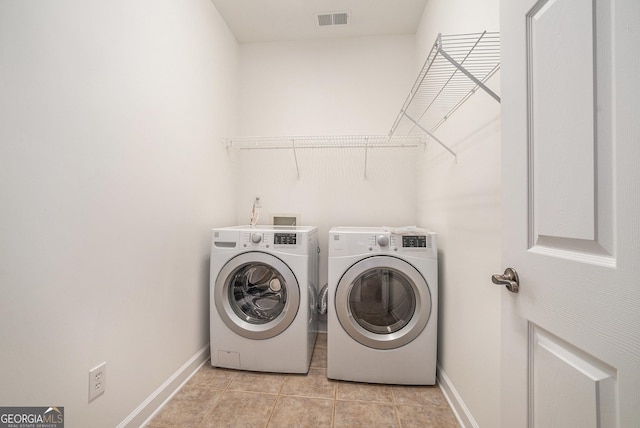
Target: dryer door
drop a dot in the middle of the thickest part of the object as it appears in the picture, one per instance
(383, 302)
(257, 295)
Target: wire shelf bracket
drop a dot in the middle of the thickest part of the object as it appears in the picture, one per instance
(297, 143)
(456, 67)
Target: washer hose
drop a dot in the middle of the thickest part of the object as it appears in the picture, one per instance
(322, 300)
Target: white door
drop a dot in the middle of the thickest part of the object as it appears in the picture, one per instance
(571, 197)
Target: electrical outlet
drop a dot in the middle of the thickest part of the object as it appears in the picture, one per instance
(97, 378)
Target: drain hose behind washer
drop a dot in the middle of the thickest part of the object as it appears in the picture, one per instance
(322, 300)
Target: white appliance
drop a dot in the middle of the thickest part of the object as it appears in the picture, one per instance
(382, 309)
(263, 289)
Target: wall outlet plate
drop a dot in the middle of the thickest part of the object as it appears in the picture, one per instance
(97, 378)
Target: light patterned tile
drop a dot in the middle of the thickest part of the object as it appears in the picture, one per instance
(419, 396)
(240, 409)
(426, 417)
(269, 383)
(301, 412)
(353, 391)
(183, 413)
(216, 397)
(197, 393)
(319, 358)
(358, 414)
(212, 378)
(321, 340)
(314, 384)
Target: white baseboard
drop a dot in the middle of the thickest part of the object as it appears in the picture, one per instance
(464, 416)
(152, 405)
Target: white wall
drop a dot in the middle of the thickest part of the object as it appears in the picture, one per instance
(461, 202)
(110, 180)
(345, 86)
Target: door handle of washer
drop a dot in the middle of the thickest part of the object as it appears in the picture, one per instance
(509, 279)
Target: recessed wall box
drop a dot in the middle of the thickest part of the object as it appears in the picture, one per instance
(284, 219)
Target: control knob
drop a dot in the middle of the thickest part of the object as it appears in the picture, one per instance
(383, 240)
(256, 237)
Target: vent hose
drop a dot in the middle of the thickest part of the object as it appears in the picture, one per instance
(255, 212)
(322, 300)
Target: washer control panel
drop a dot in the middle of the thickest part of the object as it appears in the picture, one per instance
(262, 239)
(285, 239)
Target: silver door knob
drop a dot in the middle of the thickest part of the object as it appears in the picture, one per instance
(509, 279)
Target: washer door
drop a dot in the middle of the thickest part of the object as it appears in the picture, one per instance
(383, 302)
(257, 295)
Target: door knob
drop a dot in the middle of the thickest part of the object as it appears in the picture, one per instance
(509, 279)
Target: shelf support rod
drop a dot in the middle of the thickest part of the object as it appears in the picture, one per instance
(469, 75)
(431, 135)
(366, 152)
(295, 158)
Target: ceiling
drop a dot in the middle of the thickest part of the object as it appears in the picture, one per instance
(253, 21)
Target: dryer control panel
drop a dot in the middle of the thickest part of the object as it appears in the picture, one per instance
(414, 241)
(396, 242)
(350, 241)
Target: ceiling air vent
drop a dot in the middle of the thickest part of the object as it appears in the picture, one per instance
(334, 18)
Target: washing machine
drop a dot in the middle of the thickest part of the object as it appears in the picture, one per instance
(263, 290)
(382, 309)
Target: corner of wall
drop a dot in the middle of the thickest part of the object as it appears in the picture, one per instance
(464, 416)
(146, 411)
(462, 203)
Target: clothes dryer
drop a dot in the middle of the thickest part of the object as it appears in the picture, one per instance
(263, 289)
(382, 312)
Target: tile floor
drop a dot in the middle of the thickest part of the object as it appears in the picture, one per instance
(229, 398)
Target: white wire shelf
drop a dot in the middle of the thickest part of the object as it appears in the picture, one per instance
(324, 142)
(457, 66)
(295, 143)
